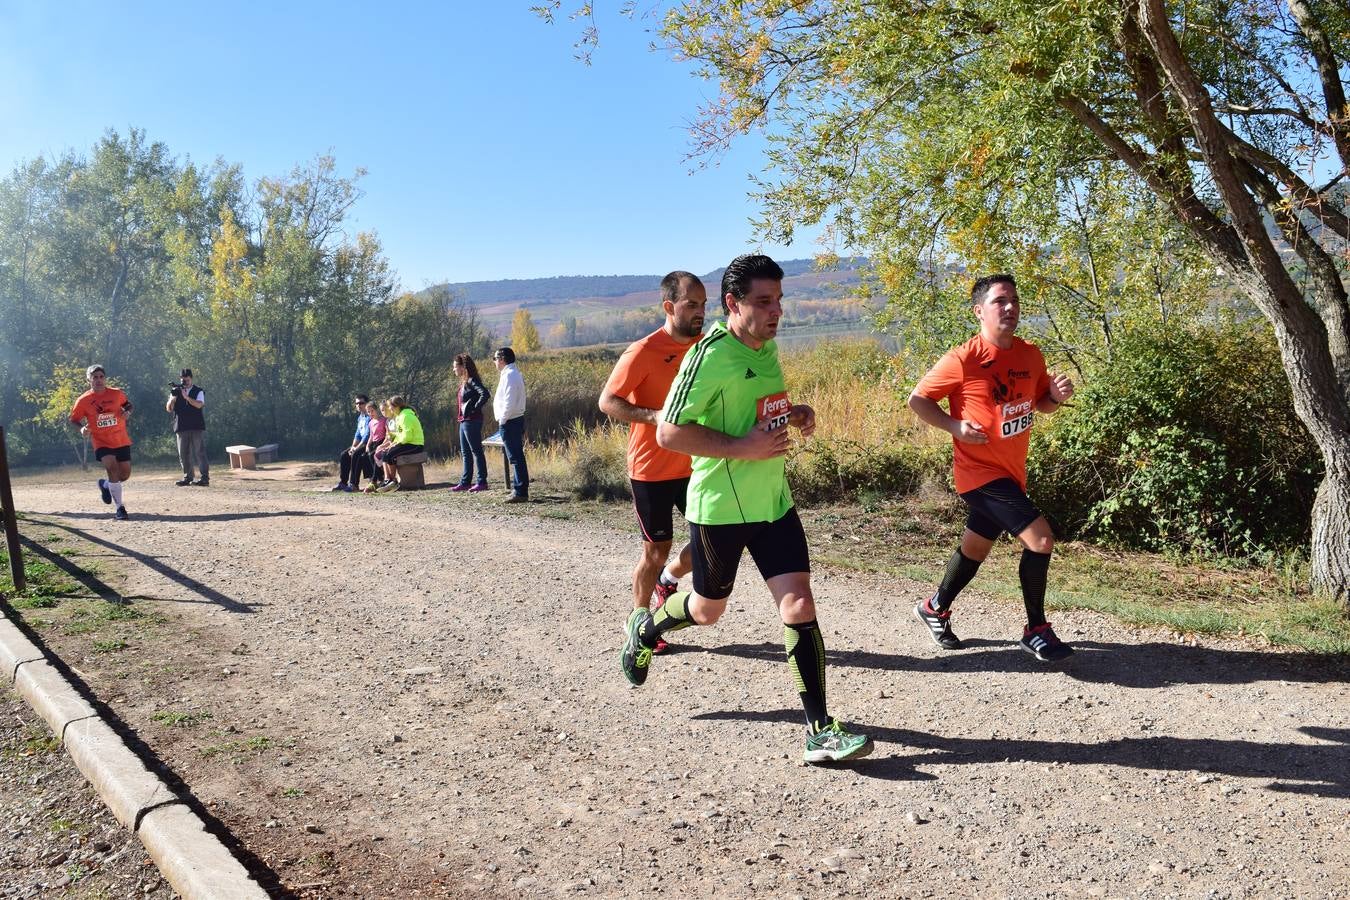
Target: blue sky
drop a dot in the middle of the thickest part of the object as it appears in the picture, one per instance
(491, 152)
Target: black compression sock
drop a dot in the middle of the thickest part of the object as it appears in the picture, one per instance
(1032, 572)
(960, 569)
(669, 616)
(806, 660)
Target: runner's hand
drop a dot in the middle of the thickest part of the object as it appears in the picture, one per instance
(1061, 388)
(804, 418)
(969, 432)
(761, 443)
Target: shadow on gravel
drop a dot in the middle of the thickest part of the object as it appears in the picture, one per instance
(261, 872)
(1149, 665)
(1318, 770)
(171, 517)
(208, 594)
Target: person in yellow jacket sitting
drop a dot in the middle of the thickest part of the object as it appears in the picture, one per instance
(405, 438)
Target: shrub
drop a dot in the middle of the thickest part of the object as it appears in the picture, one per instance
(1186, 440)
(591, 463)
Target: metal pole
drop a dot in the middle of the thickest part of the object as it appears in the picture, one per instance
(11, 524)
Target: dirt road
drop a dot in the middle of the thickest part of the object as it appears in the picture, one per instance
(418, 695)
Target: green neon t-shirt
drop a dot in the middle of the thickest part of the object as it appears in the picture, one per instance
(409, 427)
(724, 385)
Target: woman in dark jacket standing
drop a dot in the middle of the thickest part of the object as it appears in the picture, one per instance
(472, 398)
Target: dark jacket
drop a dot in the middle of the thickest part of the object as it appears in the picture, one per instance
(472, 398)
(187, 417)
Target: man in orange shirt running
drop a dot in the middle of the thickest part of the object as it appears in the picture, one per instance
(994, 384)
(635, 392)
(103, 411)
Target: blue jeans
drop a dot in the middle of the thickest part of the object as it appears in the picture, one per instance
(513, 438)
(471, 448)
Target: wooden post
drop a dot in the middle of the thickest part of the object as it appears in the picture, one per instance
(11, 524)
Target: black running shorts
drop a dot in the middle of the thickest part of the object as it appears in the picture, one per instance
(776, 547)
(655, 503)
(997, 507)
(121, 454)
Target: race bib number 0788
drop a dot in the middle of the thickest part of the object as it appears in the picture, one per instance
(774, 409)
(1017, 418)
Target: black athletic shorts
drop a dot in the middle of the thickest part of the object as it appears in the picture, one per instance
(655, 502)
(121, 454)
(997, 507)
(394, 452)
(776, 547)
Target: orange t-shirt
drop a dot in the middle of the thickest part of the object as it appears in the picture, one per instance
(107, 421)
(997, 389)
(643, 376)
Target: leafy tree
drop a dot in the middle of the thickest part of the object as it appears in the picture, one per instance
(524, 336)
(942, 135)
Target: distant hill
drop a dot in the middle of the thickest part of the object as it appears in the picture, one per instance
(565, 288)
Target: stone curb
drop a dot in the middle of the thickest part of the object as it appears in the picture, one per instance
(194, 861)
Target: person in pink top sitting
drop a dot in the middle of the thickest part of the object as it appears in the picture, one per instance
(379, 437)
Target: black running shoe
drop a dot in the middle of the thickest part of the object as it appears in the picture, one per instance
(103, 490)
(1042, 643)
(121, 514)
(939, 626)
(635, 656)
(183, 482)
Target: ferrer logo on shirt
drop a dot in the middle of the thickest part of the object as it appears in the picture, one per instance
(774, 409)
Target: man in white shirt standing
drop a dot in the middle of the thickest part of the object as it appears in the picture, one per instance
(508, 405)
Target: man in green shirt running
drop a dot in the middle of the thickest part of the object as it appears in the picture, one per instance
(729, 410)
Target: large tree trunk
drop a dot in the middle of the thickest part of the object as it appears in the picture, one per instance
(1331, 533)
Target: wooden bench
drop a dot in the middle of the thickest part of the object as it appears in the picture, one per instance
(242, 456)
(410, 471)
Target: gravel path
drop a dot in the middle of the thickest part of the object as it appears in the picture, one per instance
(418, 695)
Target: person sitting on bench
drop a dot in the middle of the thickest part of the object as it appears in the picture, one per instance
(405, 435)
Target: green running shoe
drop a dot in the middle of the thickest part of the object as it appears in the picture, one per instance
(833, 744)
(635, 656)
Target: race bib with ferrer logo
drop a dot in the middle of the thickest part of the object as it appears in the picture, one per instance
(774, 409)
(106, 420)
(1017, 418)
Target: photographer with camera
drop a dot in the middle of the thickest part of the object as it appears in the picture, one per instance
(189, 426)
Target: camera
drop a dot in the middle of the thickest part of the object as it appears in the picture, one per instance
(176, 387)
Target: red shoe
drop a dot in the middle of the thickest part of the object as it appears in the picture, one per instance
(662, 593)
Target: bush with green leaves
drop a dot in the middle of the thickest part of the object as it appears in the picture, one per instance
(1187, 441)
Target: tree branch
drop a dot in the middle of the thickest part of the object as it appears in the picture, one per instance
(1206, 227)
(1338, 118)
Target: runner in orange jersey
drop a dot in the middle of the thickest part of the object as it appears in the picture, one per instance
(102, 412)
(994, 384)
(635, 392)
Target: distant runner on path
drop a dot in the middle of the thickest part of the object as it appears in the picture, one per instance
(729, 410)
(102, 413)
(994, 383)
(635, 393)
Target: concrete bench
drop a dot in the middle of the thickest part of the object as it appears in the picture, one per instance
(242, 456)
(411, 475)
(496, 441)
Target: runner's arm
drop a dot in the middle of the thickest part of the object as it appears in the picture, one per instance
(621, 410)
(929, 412)
(1061, 389)
(699, 440)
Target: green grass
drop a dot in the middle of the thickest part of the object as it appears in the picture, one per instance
(175, 719)
(239, 751)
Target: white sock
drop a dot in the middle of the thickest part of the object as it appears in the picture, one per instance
(115, 487)
(668, 578)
